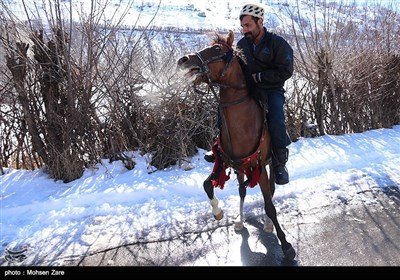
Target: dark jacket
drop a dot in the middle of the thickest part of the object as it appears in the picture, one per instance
(272, 60)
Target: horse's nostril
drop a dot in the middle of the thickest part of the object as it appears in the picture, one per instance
(182, 60)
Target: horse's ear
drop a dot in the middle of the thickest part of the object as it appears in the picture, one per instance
(229, 40)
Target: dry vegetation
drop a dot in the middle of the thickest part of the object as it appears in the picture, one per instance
(72, 93)
(347, 73)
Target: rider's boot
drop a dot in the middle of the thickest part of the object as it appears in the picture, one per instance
(279, 159)
(209, 156)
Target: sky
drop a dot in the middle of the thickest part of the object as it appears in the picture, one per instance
(111, 206)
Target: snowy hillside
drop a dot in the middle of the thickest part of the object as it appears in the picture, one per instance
(198, 14)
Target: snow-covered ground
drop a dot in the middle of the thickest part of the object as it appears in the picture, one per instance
(111, 206)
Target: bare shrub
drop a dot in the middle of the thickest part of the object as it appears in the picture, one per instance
(347, 68)
(56, 86)
(180, 119)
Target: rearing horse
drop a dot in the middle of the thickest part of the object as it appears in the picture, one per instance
(244, 143)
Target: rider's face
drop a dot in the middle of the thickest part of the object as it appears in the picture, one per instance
(250, 29)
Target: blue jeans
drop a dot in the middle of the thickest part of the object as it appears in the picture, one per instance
(276, 118)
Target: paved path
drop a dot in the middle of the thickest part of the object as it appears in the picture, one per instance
(360, 232)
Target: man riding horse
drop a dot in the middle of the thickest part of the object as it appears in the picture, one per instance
(244, 143)
(270, 60)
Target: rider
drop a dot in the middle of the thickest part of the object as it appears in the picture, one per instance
(270, 60)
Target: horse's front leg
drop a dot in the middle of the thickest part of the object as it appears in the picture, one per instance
(242, 194)
(209, 188)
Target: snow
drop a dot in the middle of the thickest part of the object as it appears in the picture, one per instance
(111, 206)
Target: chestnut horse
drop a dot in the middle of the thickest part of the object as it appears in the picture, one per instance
(244, 143)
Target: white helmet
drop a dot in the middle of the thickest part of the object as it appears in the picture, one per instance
(252, 10)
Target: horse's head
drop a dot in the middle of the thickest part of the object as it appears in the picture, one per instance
(211, 63)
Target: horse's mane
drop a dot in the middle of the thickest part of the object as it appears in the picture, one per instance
(218, 38)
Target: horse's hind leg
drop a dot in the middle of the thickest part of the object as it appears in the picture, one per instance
(270, 210)
(271, 179)
(209, 188)
(242, 194)
(268, 224)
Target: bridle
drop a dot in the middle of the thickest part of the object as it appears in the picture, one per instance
(227, 57)
(205, 70)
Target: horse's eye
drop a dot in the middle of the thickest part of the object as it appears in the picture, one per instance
(217, 48)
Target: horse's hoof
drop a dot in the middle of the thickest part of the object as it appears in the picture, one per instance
(238, 226)
(268, 225)
(219, 215)
(289, 252)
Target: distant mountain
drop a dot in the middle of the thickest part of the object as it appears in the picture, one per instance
(196, 15)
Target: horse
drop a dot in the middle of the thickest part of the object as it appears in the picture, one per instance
(244, 142)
